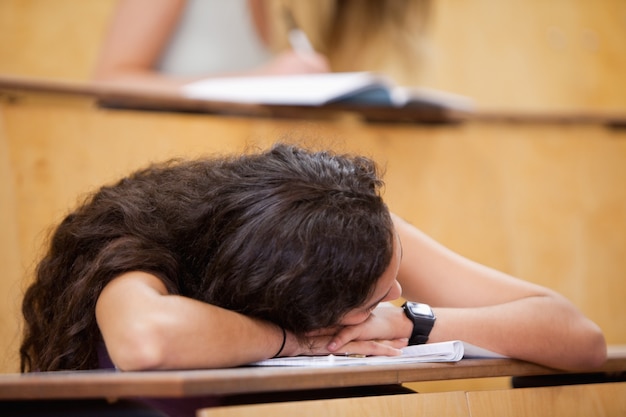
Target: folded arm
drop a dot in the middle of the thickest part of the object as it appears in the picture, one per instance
(146, 328)
(484, 307)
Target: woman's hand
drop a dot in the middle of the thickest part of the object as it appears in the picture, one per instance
(293, 62)
(318, 345)
(383, 333)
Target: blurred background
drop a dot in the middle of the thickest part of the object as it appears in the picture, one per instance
(542, 200)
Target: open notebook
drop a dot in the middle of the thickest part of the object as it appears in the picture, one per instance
(452, 351)
(345, 88)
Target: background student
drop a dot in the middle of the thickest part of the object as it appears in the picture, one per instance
(164, 43)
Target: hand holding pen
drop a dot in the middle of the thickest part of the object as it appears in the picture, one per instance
(301, 44)
(301, 58)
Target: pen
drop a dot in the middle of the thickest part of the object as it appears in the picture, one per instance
(297, 38)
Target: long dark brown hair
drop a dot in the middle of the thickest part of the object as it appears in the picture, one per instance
(291, 236)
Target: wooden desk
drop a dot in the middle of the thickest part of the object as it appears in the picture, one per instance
(112, 391)
(108, 384)
(141, 99)
(112, 96)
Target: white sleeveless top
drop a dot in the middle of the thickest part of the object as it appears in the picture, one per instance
(213, 36)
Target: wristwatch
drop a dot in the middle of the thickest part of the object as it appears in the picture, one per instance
(423, 320)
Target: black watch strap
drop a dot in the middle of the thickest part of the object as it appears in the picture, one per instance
(423, 320)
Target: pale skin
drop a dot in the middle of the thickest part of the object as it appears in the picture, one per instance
(472, 302)
(140, 29)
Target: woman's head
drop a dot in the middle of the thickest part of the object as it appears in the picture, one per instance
(296, 237)
(304, 237)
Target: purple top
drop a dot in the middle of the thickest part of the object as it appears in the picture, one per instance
(172, 407)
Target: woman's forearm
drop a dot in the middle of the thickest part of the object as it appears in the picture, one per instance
(546, 330)
(144, 328)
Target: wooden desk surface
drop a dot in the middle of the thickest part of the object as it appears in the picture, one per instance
(138, 98)
(125, 97)
(110, 384)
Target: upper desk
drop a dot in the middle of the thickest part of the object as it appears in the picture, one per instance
(249, 380)
(111, 96)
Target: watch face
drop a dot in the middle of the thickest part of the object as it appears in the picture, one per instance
(421, 309)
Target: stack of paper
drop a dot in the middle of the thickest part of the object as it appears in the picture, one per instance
(452, 351)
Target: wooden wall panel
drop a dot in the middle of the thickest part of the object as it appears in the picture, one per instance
(450, 404)
(600, 400)
(12, 276)
(541, 202)
(56, 39)
(530, 55)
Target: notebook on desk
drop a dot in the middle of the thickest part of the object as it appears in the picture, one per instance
(351, 89)
(451, 351)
